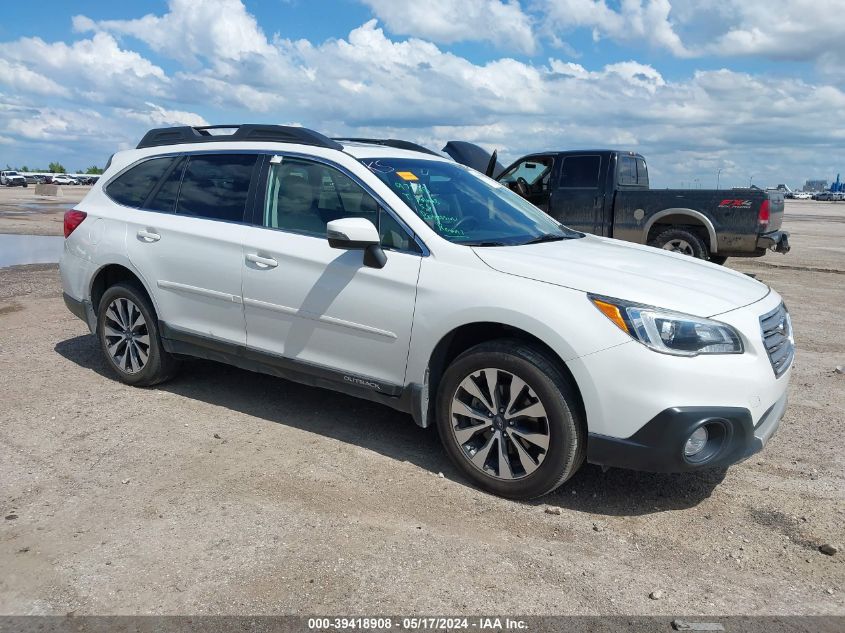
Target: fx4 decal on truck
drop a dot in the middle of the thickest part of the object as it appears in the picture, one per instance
(736, 204)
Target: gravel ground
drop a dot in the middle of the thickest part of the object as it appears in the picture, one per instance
(228, 492)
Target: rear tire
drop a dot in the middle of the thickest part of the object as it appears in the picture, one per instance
(532, 418)
(680, 241)
(718, 259)
(127, 329)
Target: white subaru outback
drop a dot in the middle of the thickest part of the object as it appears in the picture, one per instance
(380, 269)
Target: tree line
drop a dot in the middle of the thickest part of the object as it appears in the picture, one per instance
(57, 168)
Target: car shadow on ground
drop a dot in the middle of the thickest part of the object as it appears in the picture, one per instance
(393, 434)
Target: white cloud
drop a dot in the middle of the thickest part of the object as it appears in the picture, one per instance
(93, 69)
(155, 115)
(802, 30)
(370, 84)
(192, 29)
(447, 21)
(798, 30)
(635, 21)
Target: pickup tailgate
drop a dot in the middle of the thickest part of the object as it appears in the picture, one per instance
(776, 205)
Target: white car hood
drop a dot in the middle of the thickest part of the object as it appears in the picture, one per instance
(629, 271)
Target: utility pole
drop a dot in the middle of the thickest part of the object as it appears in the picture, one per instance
(718, 175)
(750, 180)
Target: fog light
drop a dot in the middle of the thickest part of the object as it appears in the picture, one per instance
(696, 442)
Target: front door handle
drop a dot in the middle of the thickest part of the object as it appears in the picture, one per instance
(148, 236)
(267, 262)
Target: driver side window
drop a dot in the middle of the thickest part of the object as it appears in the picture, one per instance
(304, 196)
(535, 171)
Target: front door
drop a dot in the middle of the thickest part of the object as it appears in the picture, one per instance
(531, 178)
(320, 306)
(578, 200)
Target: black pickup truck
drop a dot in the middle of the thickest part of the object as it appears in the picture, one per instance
(606, 192)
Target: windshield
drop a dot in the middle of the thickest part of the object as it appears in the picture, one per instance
(464, 206)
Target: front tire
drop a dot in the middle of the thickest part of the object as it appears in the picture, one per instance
(718, 259)
(680, 241)
(510, 420)
(127, 329)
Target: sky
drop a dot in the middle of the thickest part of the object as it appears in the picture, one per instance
(751, 90)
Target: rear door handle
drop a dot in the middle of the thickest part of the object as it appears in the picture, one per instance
(268, 262)
(148, 236)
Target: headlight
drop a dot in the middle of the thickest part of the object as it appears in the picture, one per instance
(670, 332)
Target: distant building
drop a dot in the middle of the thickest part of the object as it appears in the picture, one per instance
(815, 185)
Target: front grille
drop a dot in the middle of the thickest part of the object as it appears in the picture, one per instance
(777, 338)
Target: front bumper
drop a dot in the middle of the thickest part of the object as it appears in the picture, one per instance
(777, 241)
(659, 445)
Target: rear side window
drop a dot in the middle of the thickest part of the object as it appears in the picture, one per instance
(580, 171)
(642, 173)
(132, 187)
(215, 186)
(627, 170)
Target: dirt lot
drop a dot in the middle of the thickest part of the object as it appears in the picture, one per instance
(231, 492)
(24, 213)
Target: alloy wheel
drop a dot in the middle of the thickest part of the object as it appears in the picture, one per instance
(500, 424)
(126, 335)
(679, 246)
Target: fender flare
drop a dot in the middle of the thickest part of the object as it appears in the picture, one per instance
(691, 213)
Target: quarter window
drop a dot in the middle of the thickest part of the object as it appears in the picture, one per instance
(133, 186)
(164, 199)
(215, 186)
(580, 172)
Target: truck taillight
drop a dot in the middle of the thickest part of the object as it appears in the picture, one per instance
(763, 215)
(73, 219)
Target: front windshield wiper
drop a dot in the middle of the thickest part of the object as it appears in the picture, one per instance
(484, 244)
(548, 237)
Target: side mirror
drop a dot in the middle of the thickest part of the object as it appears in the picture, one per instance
(357, 234)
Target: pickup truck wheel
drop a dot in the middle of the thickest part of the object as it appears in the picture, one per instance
(680, 241)
(127, 329)
(509, 419)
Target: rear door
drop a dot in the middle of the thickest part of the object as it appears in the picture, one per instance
(187, 242)
(578, 199)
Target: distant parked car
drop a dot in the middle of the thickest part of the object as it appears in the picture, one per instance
(802, 195)
(63, 179)
(12, 179)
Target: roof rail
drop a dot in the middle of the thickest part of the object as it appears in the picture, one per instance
(390, 142)
(247, 132)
